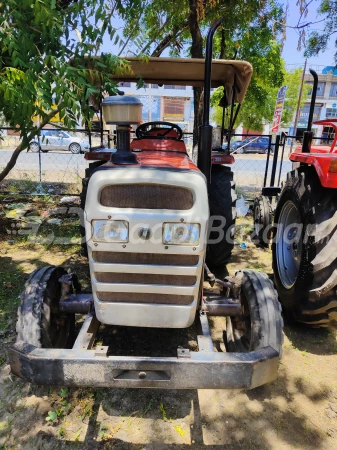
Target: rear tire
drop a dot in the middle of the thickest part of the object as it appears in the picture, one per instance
(34, 147)
(222, 202)
(75, 148)
(307, 282)
(40, 323)
(261, 323)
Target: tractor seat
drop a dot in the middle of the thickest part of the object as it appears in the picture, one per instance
(159, 144)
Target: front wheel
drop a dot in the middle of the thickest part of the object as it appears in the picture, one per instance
(34, 147)
(263, 219)
(40, 322)
(260, 324)
(75, 148)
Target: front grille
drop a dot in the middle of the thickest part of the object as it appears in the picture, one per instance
(144, 278)
(155, 259)
(147, 196)
(134, 297)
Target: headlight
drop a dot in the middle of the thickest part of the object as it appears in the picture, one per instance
(110, 231)
(181, 233)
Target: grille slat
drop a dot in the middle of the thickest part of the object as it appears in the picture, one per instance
(145, 278)
(147, 196)
(134, 297)
(155, 259)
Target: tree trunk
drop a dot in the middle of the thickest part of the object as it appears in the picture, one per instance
(24, 144)
(196, 52)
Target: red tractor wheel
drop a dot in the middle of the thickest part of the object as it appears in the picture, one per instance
(305, 248)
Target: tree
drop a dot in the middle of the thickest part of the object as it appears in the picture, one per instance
(259, 48)
(319, 40)
(45, 69)
(181, 26)
(293, 81)
(258, 107)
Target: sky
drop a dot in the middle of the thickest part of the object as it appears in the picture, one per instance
(290, 53)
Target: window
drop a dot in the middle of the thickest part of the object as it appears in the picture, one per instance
(333, 90)
(174, 109)
(331, 113)
(125, 84)
(320, 89)
(304, 115)
(172, 86)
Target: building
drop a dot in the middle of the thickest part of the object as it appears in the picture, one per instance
(326, 101)
(164, 103)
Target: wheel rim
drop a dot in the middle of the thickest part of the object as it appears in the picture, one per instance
(289, 244)
(241, 327)
(34, 147)
(75, 148)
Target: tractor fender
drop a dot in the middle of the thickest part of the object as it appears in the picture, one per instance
(322, 164)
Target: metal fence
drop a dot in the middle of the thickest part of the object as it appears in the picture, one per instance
(52, 170)
(59, 172)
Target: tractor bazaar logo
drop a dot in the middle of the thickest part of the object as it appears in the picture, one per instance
(56, 231)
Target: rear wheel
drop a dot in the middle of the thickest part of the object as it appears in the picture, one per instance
(34, 147)
(261, 323)
(263, 219)
(240, 151)
(75, 148)
(305, 248)
(222, 203)
(40, 322)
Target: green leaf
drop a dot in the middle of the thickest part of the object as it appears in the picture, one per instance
(52, 415)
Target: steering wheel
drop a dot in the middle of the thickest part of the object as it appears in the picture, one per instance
(143, 132)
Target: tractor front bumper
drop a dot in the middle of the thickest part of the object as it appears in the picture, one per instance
(189, 370)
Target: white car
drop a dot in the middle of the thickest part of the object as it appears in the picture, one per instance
(59, 140)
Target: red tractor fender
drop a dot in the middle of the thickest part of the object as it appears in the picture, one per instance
(325, 165)
(322, 157)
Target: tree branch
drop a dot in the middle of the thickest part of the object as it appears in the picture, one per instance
(24, 144)
(166, 41)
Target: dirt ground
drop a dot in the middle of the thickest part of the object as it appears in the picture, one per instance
(297, 411)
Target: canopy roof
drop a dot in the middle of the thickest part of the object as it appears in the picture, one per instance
(190, 72)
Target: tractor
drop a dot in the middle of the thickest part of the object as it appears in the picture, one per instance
(149, 231)
(304, 244)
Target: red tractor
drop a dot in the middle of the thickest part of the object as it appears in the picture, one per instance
(305, 230)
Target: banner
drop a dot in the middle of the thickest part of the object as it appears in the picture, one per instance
(278, 109)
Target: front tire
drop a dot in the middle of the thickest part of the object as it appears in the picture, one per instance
(263, 219)
(34, 147)
(305, 248)
(222, 202)
(261, 323)
(40, 323)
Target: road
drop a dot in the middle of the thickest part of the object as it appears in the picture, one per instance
(61, 161)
